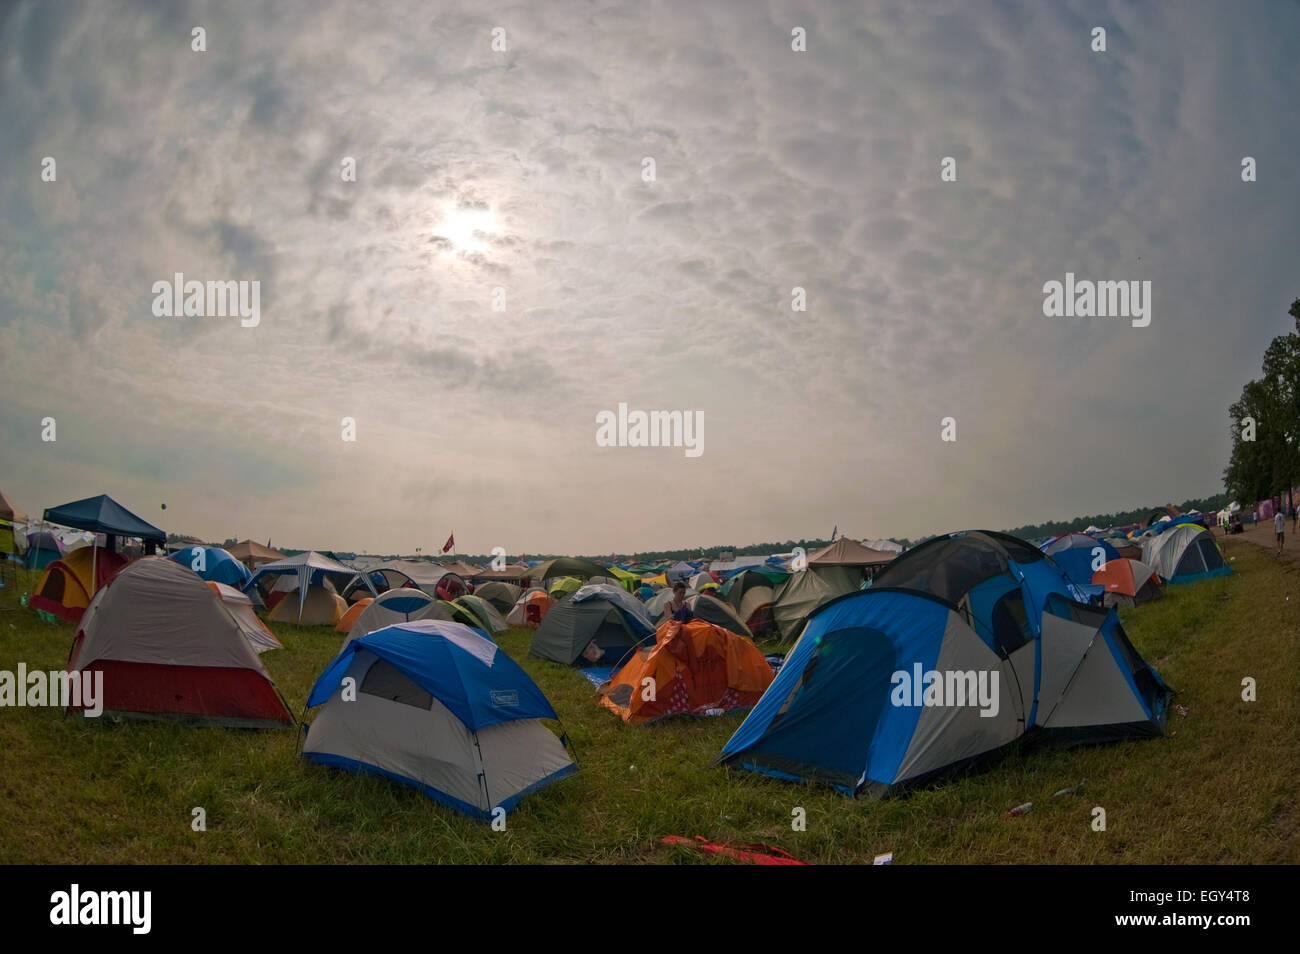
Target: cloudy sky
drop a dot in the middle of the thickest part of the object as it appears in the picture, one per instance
(522, 170)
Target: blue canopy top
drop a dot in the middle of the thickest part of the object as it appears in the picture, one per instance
(464, 671)
(103, 514)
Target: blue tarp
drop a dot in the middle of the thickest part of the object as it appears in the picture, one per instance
(103, 514)
(464, 671)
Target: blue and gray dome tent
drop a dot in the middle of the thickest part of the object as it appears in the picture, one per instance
(215, 564)
(436, 706)
(962, 646)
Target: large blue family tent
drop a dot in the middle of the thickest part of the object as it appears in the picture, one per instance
(961, 647)
(1079, 556)
(434, 705)
(214, 564)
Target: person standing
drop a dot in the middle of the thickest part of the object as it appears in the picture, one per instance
(1279, 525)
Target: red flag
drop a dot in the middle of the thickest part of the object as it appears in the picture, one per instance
(451, 542)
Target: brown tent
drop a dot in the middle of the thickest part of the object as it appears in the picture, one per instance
(251, 554)
(461, 568)
(10, 512)
(846, 552)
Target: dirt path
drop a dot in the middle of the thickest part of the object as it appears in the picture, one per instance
(1261, 535)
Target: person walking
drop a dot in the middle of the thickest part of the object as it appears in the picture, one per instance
(1279, 525)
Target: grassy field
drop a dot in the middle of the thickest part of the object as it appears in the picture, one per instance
(1219, 789)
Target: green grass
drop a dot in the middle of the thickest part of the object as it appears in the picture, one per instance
(1219, 789)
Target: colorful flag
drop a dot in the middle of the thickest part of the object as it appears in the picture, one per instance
(451, 542)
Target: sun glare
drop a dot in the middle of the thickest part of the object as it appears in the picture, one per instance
(467, 229)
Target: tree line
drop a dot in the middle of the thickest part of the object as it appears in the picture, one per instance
(1265, 459)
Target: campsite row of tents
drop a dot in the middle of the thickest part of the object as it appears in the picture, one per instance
(899, 670)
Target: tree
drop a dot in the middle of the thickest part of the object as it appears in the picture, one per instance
(1265, 458)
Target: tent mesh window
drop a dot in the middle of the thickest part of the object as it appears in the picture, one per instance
(1210, 553)
(388, 682)
(1011, 628)
(1192, 561)
(952, 566)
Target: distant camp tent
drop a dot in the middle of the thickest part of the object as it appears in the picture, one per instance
(429, 577)
(1079, 555)
(310, 571)
(1127, 582)
(491, 620)
(679, 571)
(566, 566)
(719, 612)
(441, 709)
(401, 605)
(253, 554)
(1185, 554)
(795, 599)
(846, 552)
(43, 548)
(697, 668)
(168, 646)
(564, 586)
(66, 586)
(349, 619)
(501, 595)
(9, 516)
(854, 708)
(213, 563)
(597, 629)
(530, 609)
(318, 605)
(259, 638)
(466, 571)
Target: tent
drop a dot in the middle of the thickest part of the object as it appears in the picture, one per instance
(1185, 554)
(846, 552)
(466, 571)
(213, 563)
(597, 629)
(66, 587)
(402, 605)
(240, 607)
(167, 645)
(253, 555)
(566, 566)
(10, 515)
(491, 620)
(441, 709)
(795, 599)
(310, 571)
(717, 611)
(679, 571)
(695, 668)
(501, 595)
(564, 586)
(530, 609)
(43, 548)
(892, 686)
(1079, 555)
(319, 605)
(105, 515)
(435, 580)
(1127, 582)
(349, 619)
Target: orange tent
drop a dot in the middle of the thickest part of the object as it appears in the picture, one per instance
(694, 668)
(1127, 582)
(350, 617)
